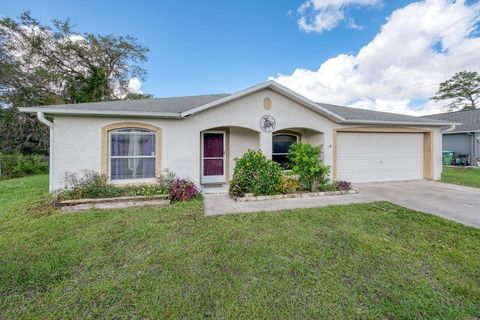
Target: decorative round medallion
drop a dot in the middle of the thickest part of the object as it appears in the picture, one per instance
(267, 123)
(267, 103)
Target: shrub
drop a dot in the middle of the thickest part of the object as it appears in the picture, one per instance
(142, 190)
(254, 173)
(18, 165)
(236, 190)
(165, 180)
(183, 189)
(307, 164)
(90, 184)
(342, 185)
(289, 184)
(87, 184)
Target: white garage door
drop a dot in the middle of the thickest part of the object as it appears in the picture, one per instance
(372, 157)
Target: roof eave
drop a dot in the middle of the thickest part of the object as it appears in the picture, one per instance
(404, 123)
(463, 131)
(103, 113)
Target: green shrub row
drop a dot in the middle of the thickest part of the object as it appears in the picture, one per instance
(256, 174)
(19, 165)
(91, 185)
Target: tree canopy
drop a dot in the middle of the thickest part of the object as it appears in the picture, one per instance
(463, 88)
(44, 65)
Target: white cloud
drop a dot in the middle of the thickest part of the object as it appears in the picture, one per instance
(351, 24)
(325, 15)
(419, 46)
(135, 85)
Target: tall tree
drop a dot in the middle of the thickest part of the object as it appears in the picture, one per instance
(43, 65)
(463, 87)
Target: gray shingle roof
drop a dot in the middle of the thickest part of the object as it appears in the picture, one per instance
(352, 114)
(178, 107)
(164, 105)
(470, 120)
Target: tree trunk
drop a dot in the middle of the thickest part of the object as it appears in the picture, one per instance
(314, 185)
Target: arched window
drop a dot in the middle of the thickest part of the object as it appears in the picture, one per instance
(281, 144)
(132, 154)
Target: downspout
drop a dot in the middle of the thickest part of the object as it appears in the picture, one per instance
(49, 124)
(472, 147)
(449, 128)
(475, 147)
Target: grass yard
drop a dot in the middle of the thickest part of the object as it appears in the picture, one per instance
(360, 261)
(464, 176)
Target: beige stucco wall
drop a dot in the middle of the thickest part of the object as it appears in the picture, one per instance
(240, 141)
(77, 140)
(437, 159)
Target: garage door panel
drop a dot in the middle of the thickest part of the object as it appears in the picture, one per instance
(378, 172)
(370, 157)
(372, 167)
(378, 159)
(387, 146)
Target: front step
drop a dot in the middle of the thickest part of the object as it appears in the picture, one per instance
(215, 188)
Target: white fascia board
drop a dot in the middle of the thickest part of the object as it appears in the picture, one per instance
(273, 86)
(303, 100)
(223, 100)
(468, 131)
(403, 123)
(59, 111)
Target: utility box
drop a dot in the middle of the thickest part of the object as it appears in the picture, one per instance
(447, 158)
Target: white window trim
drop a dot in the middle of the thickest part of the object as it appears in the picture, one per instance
(132, 157)
(133, 132)
(110, 157)
(136, 181)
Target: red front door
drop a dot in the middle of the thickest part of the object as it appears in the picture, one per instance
(213, 157)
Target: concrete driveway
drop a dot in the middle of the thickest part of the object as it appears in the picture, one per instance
(458, 203)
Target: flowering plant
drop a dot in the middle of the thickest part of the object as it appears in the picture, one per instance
(343, 185)
(182, 190)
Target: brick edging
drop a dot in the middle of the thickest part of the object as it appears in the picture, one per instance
(250, 197)
(116, 199)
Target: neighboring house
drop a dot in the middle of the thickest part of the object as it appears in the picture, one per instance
(199, 137)
(465, 138)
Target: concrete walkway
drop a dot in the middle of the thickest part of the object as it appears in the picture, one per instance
(458, 203)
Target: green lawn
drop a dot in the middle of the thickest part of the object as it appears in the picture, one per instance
(361, 261)
(464, 176)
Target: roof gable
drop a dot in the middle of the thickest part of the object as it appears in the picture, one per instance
(274, 86)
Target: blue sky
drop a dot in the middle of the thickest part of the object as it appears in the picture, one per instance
(211, 46)
(199, 47)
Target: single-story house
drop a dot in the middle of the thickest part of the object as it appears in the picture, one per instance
(465, 138)
(132, 141)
